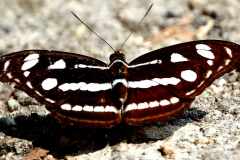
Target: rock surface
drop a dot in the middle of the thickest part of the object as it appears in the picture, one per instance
(210, 130)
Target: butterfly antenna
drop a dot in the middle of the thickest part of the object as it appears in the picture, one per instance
(90, 29)
(139, 23)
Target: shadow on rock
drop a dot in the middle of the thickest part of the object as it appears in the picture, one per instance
(45, 132)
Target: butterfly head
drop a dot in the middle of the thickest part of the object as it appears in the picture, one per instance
(117, 55)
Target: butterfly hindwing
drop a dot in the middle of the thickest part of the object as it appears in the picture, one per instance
(165, 81)
(71, 85)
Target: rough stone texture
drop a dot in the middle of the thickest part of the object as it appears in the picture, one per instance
(210, 130)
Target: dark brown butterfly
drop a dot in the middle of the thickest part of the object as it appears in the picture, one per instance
(84, 91)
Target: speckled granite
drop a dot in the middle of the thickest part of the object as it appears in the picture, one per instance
(210, 130)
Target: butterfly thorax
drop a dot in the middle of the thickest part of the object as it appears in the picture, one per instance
(119, 71)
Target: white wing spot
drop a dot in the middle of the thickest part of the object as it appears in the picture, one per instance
(110, 109)
(132, 106)
(32, 57)
(49, 83)
(29, 64)
(203, 47)
(29, 84)
(38, 93)
(208, 74)
(154, 104)
(88, 66)
(200, 84)
(83, 86)
(142, 84)
(220, 68)
(16, 80)
(88, 108)
(153, 82)
(26, 73)
(77, 108)
(167, 81)
(98, 109)
(6, 65)
(190, 92)
(66, 107)
(189, 75)
(143, 105)
(175, 57)
(174, 100)
(229, 51)
(206, 54)
(210, 62)
(80, 66)
(164, 102)
(30, 61)
(60, 64)
(9, 75)
(157, 61)
(227, 61)
(69, 86)
(92, 87)
(49, 100)
(204, 51)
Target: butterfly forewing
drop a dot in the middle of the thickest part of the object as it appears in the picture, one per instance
(72, 86)
(166, 81)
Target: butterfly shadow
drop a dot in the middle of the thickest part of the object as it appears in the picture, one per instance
(46, 133)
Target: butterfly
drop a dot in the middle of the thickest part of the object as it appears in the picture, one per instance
(83, 91)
